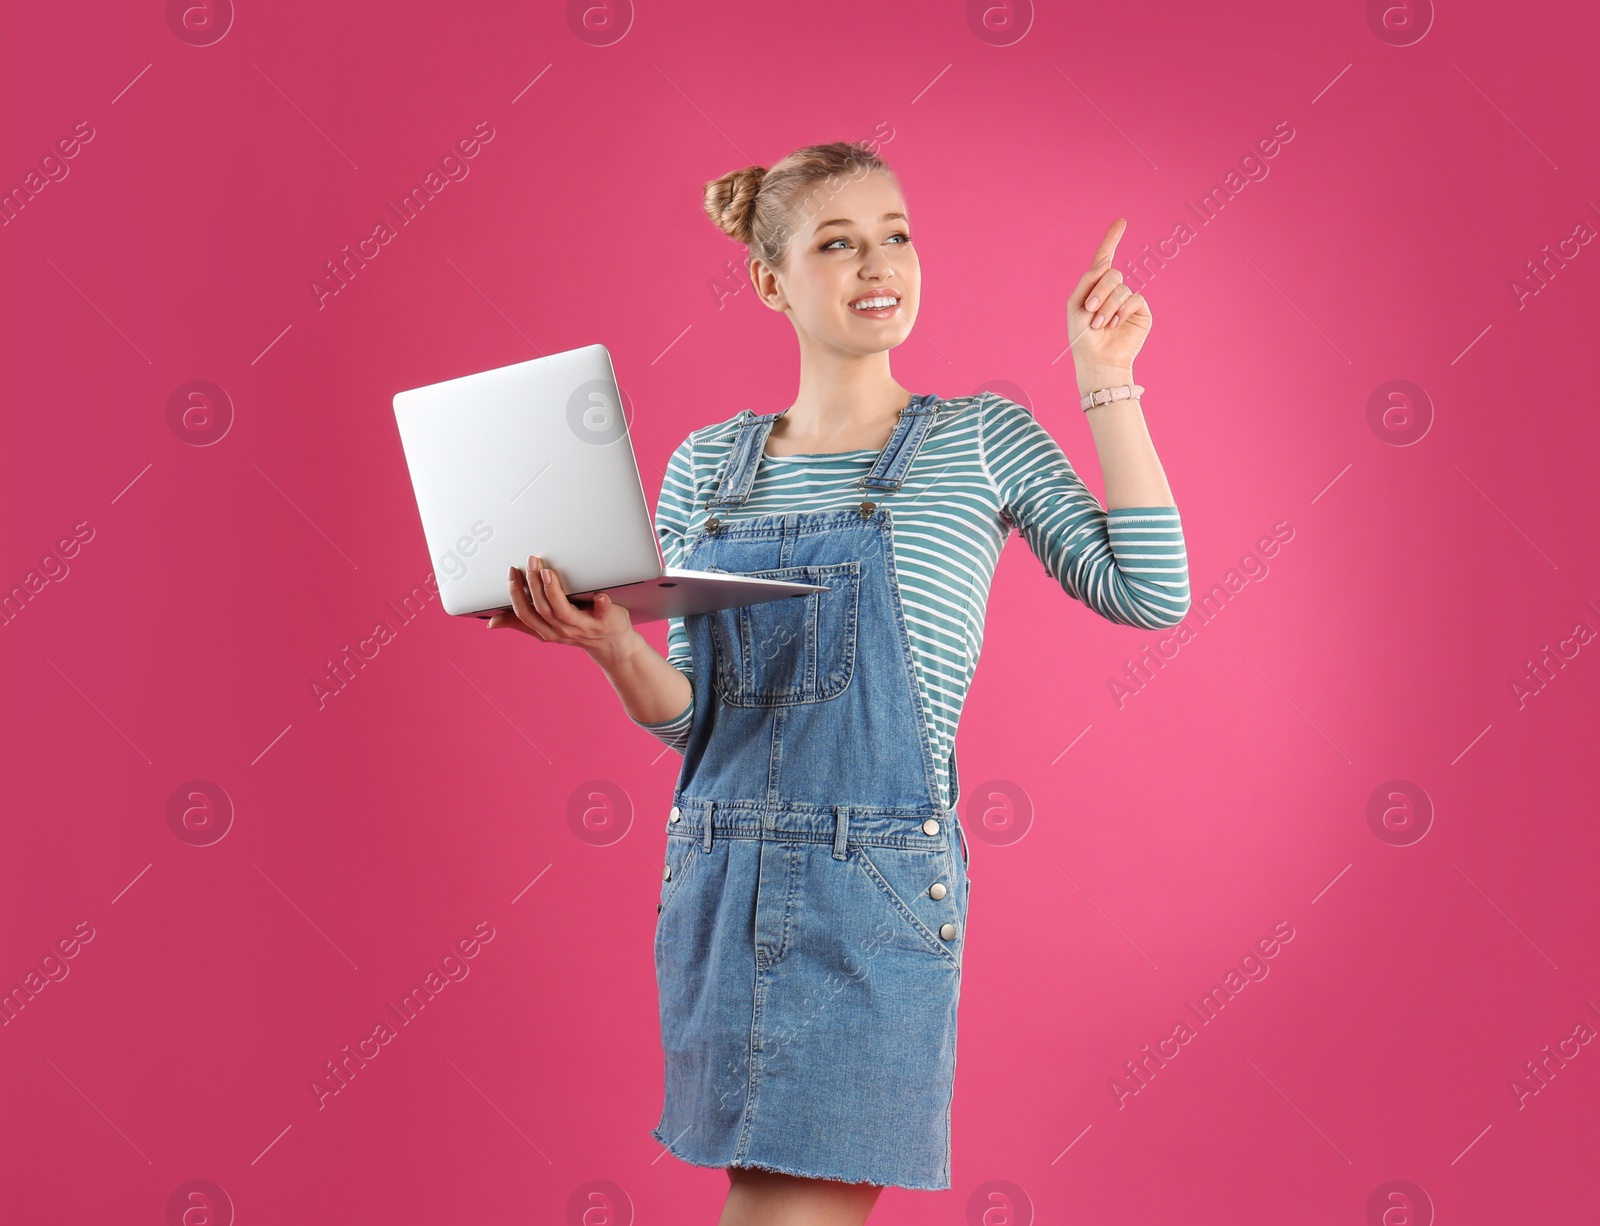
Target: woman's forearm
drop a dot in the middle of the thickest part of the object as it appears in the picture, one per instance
(1128, 461)
(651, 689)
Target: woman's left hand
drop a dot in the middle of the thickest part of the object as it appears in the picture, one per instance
(1107, 322)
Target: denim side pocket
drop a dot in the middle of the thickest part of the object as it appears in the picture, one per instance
(908, 879)
(682, 852)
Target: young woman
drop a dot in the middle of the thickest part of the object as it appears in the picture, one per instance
(814, 894)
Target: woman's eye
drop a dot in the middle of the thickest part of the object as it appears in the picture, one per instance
(898, 234)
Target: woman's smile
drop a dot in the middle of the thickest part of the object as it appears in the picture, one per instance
(879, 311)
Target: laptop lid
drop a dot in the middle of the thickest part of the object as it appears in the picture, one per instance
(529, 458)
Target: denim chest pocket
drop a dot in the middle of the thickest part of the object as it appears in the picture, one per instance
(796, 649)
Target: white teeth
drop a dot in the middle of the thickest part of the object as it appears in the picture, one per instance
(875, 304)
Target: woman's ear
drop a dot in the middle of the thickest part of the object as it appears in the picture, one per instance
(767, 286)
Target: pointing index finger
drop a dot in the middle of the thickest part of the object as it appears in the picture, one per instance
(1108, 244)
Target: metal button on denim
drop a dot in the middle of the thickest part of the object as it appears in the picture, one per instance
(677, 814)
(936, 890)
(931, 826)
(947, 932)
(666, 873)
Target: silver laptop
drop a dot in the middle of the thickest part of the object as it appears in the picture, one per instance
(536, 458)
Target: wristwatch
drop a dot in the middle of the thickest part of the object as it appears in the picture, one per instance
(1105, 395)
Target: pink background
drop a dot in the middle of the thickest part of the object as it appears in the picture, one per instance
(1126, 856)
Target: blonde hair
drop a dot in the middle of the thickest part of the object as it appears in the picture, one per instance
(763, 208)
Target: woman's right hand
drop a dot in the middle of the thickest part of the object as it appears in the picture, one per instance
(547, 614)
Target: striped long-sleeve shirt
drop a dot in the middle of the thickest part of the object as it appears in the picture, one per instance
(986, 466)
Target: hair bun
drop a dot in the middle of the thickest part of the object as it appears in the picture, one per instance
(731, 201)
(762, 206)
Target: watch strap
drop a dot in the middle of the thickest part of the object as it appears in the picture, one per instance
(1105, 395)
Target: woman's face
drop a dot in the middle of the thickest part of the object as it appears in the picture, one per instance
(852, 242)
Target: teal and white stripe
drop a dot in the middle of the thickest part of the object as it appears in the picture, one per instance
(986, 466)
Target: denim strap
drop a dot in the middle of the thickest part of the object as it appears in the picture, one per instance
(894, 461)
(732, 485)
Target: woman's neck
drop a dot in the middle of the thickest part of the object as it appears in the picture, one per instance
(845, 422)
(854, 436)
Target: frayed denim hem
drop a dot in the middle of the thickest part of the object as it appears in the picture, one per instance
(754, 1164)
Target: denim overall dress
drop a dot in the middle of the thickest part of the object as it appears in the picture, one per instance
(814, 896)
